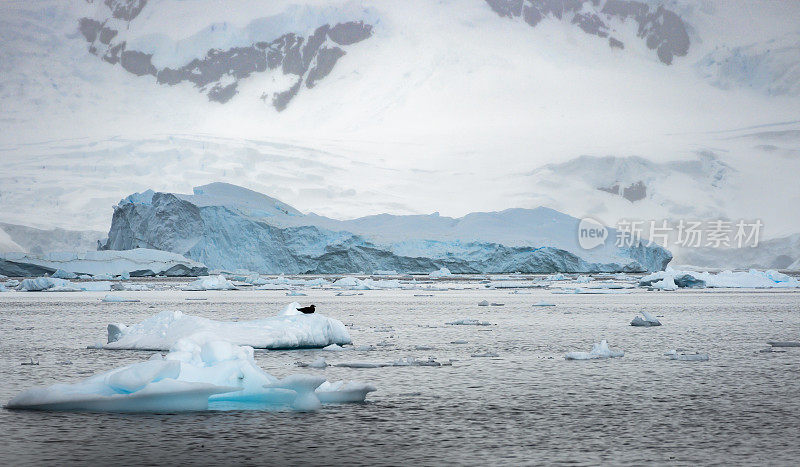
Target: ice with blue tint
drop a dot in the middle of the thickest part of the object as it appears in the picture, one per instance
(290, 329)
(215, 375)
(726, 279)
(210, 283)
(649, 320)
(599, 350)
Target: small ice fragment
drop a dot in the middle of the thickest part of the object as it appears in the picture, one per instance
(333, 348)
(483, 303)
(681, 355)
(498, 304)
(469, 322)
(784, 344)
(485, 354)
(543, 303)
(649, 320)
(599, 350)
(459, 342)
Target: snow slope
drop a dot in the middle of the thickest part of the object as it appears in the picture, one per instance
(451, 106)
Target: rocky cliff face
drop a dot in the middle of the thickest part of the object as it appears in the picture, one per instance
(304, 60)
(228, 237)
(662, 30)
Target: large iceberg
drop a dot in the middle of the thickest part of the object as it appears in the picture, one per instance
(67, 265)
(216, 375)
(725, 279)
(228, 228)
(288, 330)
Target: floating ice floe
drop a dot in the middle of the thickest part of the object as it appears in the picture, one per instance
(118, 299)
(590, 291)
(483, 303)
(210, 283)
(333, 348)
(124, 286)
(543, 303)
(556, 277)
(666, 284)
(516, 285)
(354, 283)
(583, 279)
(318, 363)
(497, 304)
(51, 284)
(469, 322)
(291, 329)
(62, 274)
(295, 293)
(408, 361)
(725, 279)
(682, 355)
(599, 350)
(442, 272)
(485, 354)
(649, 320)
(214, 376)
(784, 344)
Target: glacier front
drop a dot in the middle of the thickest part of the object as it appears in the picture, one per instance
(229, 227)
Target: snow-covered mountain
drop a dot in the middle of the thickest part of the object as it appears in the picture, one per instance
(648, 109)
(228, 227)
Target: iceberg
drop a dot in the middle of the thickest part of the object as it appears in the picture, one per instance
(649, 320)
(725, 279)
(544, 303)
(138, 262)
(684, 356)
(210, 283)
(667, 283)
(599, 350)
(62, 274)
(216, 375)
(288, 330)
(483, 303)
(227, 227)
(440, 273)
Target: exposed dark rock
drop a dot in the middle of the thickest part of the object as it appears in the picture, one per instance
(614, 43)
(106, 34)
(350, 32)
(326, 59)
(635, 191)
(89, 28)
(125, 9)
(222, 94)
(281, 99)
(662, 29)
(137, 63)
(217, 74)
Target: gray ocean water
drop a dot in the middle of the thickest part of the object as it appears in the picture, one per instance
(526, 406)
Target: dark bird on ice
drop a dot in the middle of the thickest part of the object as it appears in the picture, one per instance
(307, 309)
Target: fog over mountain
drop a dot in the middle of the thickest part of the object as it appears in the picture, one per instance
(612, 109)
